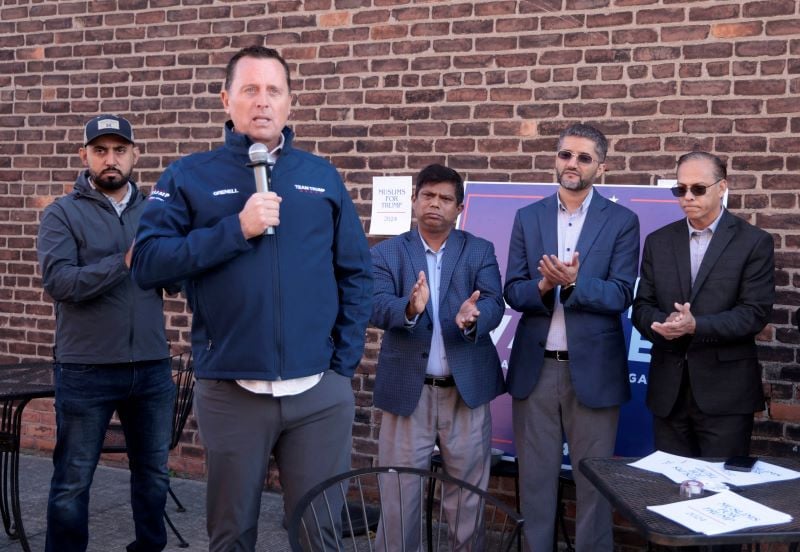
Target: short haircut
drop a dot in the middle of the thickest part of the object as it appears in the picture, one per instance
(433, 174)
(720, 168)
(587, 131)
(259, 52)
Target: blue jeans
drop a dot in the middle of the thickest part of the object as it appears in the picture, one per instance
(143, 394)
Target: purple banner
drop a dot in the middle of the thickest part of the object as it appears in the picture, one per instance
(489, 210)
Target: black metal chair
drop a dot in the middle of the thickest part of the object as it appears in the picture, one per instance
(498, 528)
(509, 468)
(114, 442)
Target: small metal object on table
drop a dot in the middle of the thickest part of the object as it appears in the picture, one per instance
(631, 490)
(19, 384)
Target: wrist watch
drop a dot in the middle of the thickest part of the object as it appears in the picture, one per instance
(565, 292)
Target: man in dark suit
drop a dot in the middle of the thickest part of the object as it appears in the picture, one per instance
(437, 296)
(706, 290)
(572, 265)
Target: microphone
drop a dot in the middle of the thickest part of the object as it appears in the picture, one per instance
(262, 161)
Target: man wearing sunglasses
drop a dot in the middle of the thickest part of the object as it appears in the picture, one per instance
(572, 266)
(706, 291)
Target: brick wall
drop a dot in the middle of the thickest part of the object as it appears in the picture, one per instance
(388, 86)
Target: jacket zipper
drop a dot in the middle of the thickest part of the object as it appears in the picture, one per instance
(276, 300)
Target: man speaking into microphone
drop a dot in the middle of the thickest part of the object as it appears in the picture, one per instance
(278, 320)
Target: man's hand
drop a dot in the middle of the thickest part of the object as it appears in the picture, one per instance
(557, 272)
(679, 323)
(418, 297)
(129, 255)
(468, 314)
(261, 211)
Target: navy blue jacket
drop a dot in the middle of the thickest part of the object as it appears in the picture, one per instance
(468, 264)
(271, 307)
(609, 259)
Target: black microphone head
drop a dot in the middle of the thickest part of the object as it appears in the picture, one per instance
(259, 153)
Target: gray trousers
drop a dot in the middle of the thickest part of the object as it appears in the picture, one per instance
(465, 443)
(310, 435)
(538, 421)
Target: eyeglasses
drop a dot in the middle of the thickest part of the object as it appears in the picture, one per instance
(583, 158)
(696, 189)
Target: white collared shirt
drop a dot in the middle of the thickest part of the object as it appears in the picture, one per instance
(698, 243)
(569, 230)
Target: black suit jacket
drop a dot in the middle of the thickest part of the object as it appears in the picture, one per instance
(731, 301)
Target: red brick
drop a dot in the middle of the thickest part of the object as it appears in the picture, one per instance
(769, 8)
(708, 51)
(705, 88)
(684, 33)
(652, 163)
(560, 57)
(784, 145)
(757, 163)
(761, 125)
(584, 110)
(556, 23)
(659, 16)
(682, 144)
(637, 145)
(730, 11)
(537, 6)
(595, 91)
(653, 89)
(635, 36)
(744, 68)
(737, 30)
(761, 87)
(737, 107)
(609, 20)
(783, 105)
(663, 71)
(577, 40)
(783, 27)
(741, 143)
(770, 48)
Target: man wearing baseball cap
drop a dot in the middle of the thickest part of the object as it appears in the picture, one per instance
(111, 351)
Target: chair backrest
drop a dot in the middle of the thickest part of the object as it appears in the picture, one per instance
(183, 375)
(488, 524)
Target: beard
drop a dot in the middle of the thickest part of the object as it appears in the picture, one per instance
(581, 184)
(110, 180)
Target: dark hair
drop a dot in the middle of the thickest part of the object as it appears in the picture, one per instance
(720, 169)
(259, 52)
(587, 131)
(433, 174)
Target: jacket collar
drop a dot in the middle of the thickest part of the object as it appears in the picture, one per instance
(82, 188)
(240, 143)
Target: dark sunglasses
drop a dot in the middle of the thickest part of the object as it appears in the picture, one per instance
(583, 158)
(696, 189)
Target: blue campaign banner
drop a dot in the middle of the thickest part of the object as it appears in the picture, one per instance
(489, 210)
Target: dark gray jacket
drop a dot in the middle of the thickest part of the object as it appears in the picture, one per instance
(102, 316)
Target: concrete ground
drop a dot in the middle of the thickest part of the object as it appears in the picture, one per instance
(110, 523)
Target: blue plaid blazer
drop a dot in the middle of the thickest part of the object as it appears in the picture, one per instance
(468, 264)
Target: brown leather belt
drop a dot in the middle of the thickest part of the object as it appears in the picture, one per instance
(443, 381)
(561, 356)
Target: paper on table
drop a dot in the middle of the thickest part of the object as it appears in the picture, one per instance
(391, 205)
(720, 513)
(712, 475)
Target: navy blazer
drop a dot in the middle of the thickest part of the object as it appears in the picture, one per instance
(731, 300)
(468, 264)
(609, 260)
